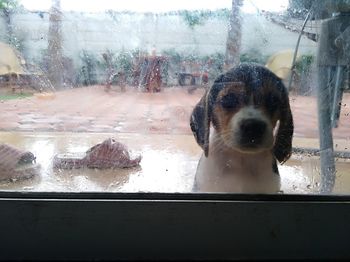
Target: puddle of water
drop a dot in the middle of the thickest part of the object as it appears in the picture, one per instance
(164, 167)
(168, 165)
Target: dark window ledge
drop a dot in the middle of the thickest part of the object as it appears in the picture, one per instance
(128, 226)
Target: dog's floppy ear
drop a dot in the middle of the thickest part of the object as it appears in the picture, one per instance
(200, 124)
(283, 143)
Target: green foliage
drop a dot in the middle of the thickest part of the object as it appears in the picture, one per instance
(120, 62)
(191, 58)
(138, 52)
(299, 8)
(88, 72)
(17, 41)
(304, 64)
(8, 4)
(194, 18)
(253, 55)
(213, 63)
(114, 15)
(94, 67)
(174, 57)
(8, 7)
(199, 17)
(300, 4)
(13, 96)
(216, 59)
(123, 62)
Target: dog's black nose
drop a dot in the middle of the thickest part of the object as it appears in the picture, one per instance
(252, 131)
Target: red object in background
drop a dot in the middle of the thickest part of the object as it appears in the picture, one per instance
(153, 75)
(154, 78)
(205, 78)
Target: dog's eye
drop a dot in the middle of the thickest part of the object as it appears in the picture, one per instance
(230, 101)
(272, 103)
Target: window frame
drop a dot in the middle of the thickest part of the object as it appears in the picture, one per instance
(128, 226)
(176, 226)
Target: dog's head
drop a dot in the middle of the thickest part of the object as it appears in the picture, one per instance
(244, 106)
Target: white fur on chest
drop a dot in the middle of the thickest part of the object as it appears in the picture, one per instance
(228, 171)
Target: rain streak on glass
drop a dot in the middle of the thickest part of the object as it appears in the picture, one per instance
(124, 96)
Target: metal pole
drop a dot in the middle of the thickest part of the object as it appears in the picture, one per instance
(325, 131)
(338, 95)
(333, 55)
(324, 103)
(296, 51)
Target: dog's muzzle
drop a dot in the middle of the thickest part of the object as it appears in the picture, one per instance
(252, 133)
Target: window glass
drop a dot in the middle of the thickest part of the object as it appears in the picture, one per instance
(130, 96)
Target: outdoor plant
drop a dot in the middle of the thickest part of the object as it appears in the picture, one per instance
(172, 64)
(87, 74)
(304, 63)
(215, 64)
(212, 63)
(123, 62)
(7, 9)
(199, 17)
(303, 69)
(174, 57)
(118, 62)
(194, 18)
(253, 55)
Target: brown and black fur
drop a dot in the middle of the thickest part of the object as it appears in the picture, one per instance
(246, 85)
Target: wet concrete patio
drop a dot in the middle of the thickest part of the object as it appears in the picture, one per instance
(155, 125)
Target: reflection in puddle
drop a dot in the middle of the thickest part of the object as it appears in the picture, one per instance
(293, 180)
(168, 165)
(169, 171)
(164, 167)
(43, 150)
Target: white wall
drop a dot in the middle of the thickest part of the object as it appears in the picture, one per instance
(98, 32)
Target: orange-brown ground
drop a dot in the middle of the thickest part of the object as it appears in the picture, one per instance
(91, 109)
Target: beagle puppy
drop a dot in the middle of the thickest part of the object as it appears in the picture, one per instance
(243, 123)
